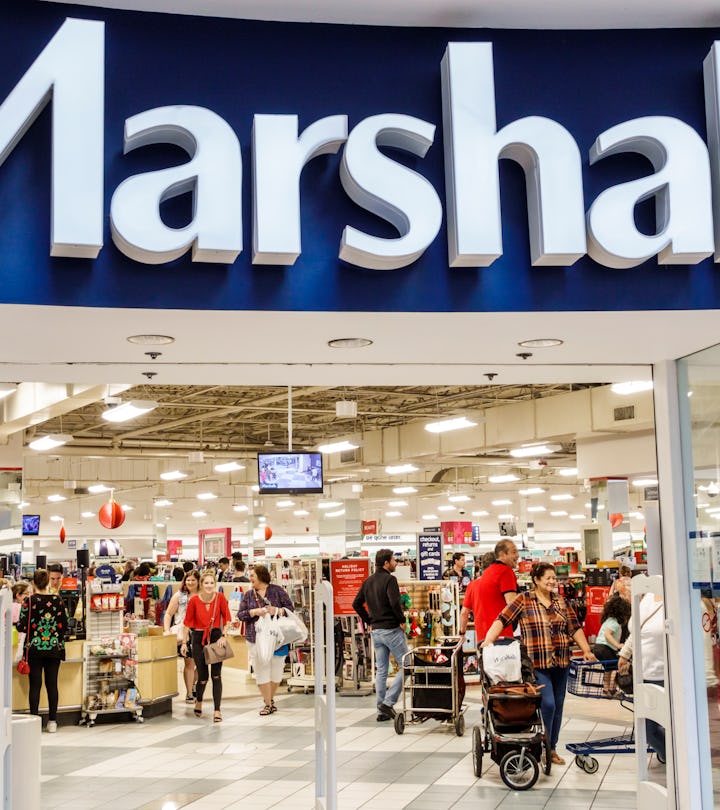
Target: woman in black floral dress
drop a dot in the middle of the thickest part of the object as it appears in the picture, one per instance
(44, 636)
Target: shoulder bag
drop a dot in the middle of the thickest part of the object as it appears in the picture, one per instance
(23, 666)
(215, 652)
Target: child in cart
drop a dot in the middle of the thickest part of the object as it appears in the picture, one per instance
(611, 636)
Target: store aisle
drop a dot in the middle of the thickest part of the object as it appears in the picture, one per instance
(258, 763)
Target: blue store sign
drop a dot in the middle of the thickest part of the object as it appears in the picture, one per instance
(429, 557)
(151, 160)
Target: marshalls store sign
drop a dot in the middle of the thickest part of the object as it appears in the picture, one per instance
(69, 74)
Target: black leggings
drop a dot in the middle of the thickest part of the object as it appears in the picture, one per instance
(203, 671)
(51, 667)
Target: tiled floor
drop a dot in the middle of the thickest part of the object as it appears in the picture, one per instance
(257, 763)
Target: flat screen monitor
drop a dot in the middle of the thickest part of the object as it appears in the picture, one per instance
(290, 473)
(31, 524)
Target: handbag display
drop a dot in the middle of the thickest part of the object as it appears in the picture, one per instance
(23, 667)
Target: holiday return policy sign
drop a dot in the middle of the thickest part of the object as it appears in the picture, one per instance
(346, 577)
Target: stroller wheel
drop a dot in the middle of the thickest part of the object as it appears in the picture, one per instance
(545, 755)
(477, 751)
(519, 770)
(460, 725)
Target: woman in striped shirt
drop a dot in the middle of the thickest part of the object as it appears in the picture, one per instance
(547, 626)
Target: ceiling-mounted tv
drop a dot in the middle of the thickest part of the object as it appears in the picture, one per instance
(31, 524)
(290, 473)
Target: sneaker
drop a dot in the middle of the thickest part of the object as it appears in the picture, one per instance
(381, 718)
(386, 710)
(51, 727)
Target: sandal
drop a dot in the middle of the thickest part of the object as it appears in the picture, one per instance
(266, 710)
(273, 707)
(198, 709)
(217, 717)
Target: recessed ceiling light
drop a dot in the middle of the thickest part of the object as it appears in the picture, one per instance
(349, 343)
(228, 466)
(404, 490)
(503, 479)
(540, 343)
(444, 425)
(446, 508)
(399, 469)
(633, 387)
(151, 340)
(480, 513)
(506, 517)
(50, 441)
(429, 517)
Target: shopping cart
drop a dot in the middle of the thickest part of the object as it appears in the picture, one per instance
(589, 680)
(433, 686)
(512, 730)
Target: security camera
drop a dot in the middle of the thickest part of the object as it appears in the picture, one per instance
(461, 511)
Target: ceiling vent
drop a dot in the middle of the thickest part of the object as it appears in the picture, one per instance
(346, 409)
(624, 413)
(353, 456)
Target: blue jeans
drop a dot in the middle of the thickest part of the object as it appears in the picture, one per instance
(553, 698)
(386, 642)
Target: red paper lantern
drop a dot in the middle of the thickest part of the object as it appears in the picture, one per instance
(62, 534)
(616, 519)
(111, 514)
(268, 533)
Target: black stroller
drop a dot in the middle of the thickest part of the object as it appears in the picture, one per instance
(512, 729)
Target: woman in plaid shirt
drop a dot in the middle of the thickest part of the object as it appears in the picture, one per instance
(547, 626)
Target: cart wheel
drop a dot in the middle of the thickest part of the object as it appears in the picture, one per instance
(477, 751)
(588, 764)
(460, 725)
(519, 771)
(660, 759)
(545, 757)
(400, 723)
(289, 689)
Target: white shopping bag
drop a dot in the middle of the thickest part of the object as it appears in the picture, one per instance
(502, 662)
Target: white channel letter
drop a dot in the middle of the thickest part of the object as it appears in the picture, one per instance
(711, 74)
(392, 191)
(278, 159)
(681, 186)
(70, 71)
(546, 151)
(214, 175)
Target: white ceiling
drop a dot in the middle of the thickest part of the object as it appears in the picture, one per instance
(563, 14)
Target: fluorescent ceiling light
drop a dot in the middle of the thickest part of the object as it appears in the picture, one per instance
(206, 496)
(429, 517)
(444, 425)
(502, 502)
(127, 507)
(637, 515)
(644, 482)
(255, 488)
(397, 503)
(240, 507)
(505, 517)
(531, 491)
(228, 466)
(540, 343)
(536, 508)
(173, 475)
(560, 513)
(480, 513)
(163, 502)
(150, 340)
(337, 513)
(159, 525)
(349, 343)
(56, 498)
(23, 504)
(6, 389)
(87, 514)
(567, 471)
(633, 387)
(393, 514)
(399, 469)
(337, 447)
(528, 450)
(577, 517)
(50, 441)
(503, 479)
(446, 508)
(262, 519)
(199, 514)
(328, 504)
(301, 513)
(404, 490)
(96, 488)
(284, 504)
(57, 518)
(564, 496)
(129, 410)
(458, 498)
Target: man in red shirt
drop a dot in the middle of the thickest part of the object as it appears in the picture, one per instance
(487, 596)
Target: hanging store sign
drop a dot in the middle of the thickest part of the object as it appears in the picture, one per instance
(429, 557)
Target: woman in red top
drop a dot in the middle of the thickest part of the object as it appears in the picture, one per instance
(206, 616)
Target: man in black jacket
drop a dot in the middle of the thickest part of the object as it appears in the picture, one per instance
(378, 604)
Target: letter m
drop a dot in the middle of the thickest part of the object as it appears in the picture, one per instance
(70, 71)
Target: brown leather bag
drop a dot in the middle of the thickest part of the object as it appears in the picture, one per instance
(515, 709)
